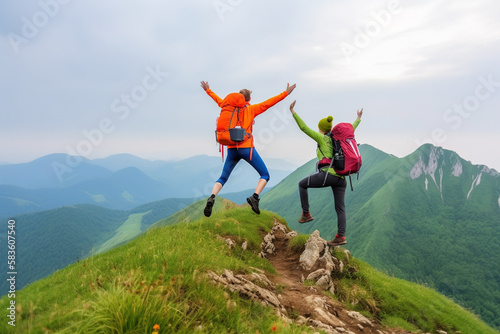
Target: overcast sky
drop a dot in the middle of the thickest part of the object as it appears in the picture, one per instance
(98, 78)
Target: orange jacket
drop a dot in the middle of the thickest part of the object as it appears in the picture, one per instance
(250, 112)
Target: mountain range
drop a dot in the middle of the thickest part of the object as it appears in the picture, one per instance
(120, 182)
(430, 217)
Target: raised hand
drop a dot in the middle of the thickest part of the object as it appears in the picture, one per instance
(291, 107)
(205, 85)
(360, 113)
(289, 88)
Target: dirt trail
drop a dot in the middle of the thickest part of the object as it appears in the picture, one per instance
(293, 293)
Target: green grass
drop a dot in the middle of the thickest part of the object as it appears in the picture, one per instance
(194, 212)
(403, 304)
(297, 243)
(157, 278)
(128, 230)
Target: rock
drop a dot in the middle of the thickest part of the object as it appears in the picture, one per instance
(327, 261)
(270, 248)
(269, 238)
(359, 317)
(290, 235)
(322, 279)
(244, 286)
(325, 283)
(347, 255)
(267, 245)
(230, 243)
(260, 279)
(301, 320)
(314, 246)
(320, 313)
(278, 226)
(244, 245)
(315, 275)
(317, 253)
(322, 326)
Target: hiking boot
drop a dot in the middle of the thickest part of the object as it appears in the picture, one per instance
(306, 217)
(339, 240)
(254, 203)
(208, 207)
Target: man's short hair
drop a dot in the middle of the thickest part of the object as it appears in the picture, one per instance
(246, 93)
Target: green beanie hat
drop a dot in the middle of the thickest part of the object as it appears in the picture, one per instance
(325, 124)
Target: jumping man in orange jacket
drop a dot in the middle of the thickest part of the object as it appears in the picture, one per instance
(244, 150)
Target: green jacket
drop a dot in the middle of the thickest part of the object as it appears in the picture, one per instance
(324, 143)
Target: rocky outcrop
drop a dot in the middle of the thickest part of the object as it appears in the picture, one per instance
(317, 257)
(267, 244)
(256, 287)
(319, 267)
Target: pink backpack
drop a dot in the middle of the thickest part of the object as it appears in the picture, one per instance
(343, 136)
(346, 157)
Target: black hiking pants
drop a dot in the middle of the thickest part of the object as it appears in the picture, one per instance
(338, 186)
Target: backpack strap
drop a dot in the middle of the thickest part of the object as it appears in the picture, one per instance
(319, 148)
(221, 149)
(231, 119)
(326, 172)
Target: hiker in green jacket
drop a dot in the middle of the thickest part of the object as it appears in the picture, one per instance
(317, 180)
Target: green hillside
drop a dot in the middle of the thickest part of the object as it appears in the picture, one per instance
(158, 278)
(50, 240)
(430, 217)
(194, 212)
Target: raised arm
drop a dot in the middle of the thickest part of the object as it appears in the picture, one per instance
(358, 120)
(206, 88)
(263, 106)
(316, 136)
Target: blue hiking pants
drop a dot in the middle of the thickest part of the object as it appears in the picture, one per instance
(234, 155)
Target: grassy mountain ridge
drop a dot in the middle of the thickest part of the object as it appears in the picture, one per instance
(430, 217)
(50, 240)
(73, 232)
(159, 278)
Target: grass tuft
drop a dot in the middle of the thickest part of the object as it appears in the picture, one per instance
(297, 243)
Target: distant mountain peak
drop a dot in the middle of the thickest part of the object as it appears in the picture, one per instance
(438, 163)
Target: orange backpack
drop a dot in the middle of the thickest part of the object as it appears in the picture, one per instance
(231, 128)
